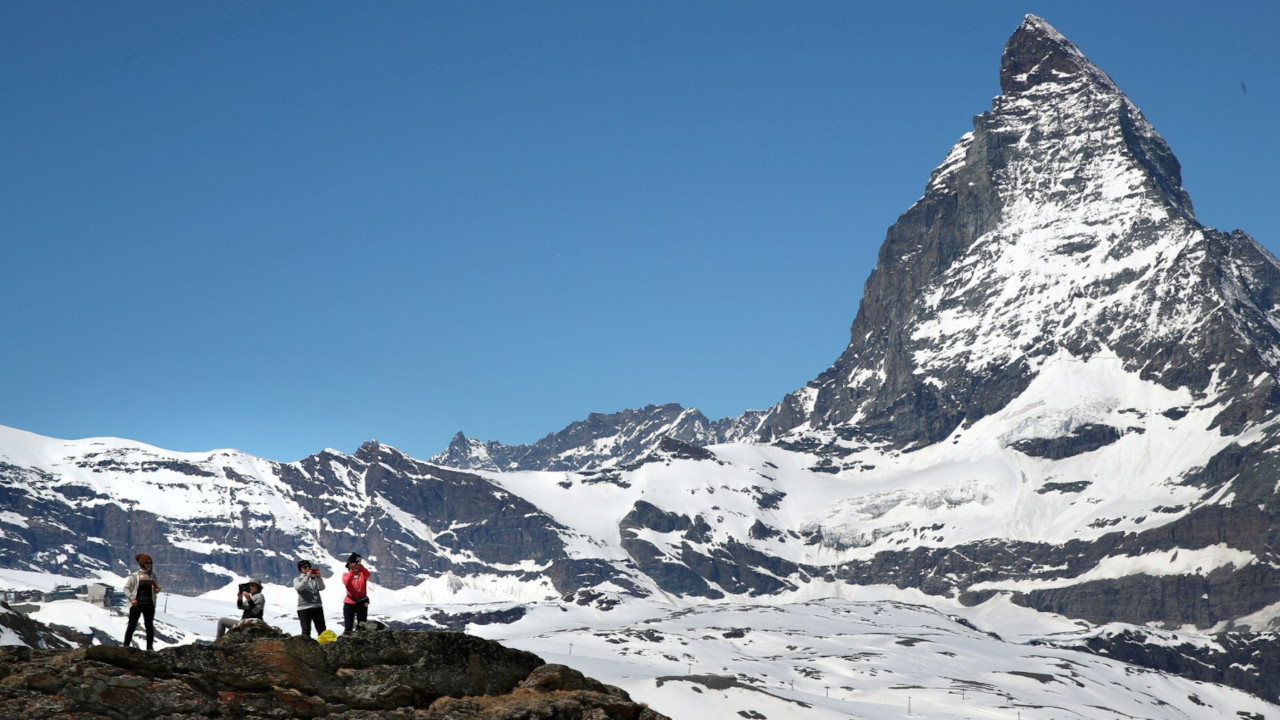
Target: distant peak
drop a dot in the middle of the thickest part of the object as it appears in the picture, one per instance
(1037, 54)
(461, 444)
(374, 448)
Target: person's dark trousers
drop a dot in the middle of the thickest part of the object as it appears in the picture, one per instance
(310, 617)
(353, 612)
(148, 614)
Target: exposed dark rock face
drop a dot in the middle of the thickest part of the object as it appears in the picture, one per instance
(258, 673)
(685, 574)
(1248, 661)
(701, 563)
(1083, 439)
(460, 621)
(672, 448)
(1175, 600)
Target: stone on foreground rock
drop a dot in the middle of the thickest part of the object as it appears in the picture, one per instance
(257, 672)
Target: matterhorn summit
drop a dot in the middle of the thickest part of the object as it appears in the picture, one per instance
(1056, 231)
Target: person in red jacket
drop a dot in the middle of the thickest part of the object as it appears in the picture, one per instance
(355, 606)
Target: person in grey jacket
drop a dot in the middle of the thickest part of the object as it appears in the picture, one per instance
(251, 602)
(310, 608)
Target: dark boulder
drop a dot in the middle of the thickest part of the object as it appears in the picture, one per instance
(396, 668)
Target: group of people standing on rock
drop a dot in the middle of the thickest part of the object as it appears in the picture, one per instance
(141, 589)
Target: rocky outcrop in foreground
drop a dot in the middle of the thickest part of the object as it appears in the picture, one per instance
(261, 673)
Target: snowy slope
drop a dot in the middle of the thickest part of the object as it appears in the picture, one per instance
(864, 659)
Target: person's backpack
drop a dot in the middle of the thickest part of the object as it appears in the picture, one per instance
(327, 636)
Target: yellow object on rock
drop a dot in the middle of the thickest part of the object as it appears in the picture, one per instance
(326, 637)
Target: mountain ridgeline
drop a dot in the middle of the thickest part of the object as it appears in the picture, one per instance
(1059, 387)
(602, 440)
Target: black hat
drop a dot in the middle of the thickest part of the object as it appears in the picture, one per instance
(352, 558)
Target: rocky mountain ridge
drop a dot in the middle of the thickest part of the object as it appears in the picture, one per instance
(602, 440)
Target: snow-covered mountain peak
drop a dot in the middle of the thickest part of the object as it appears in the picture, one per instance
(1059, 225)
(1057, 105)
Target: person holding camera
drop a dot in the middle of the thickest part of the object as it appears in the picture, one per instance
(310, 609)
(251, 601)
(355, 606)
(141, 588)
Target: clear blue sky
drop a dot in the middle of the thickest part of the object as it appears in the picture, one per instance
(281, 226)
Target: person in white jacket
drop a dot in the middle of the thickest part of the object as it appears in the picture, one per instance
(308, 583)
(141, 587)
